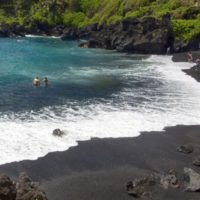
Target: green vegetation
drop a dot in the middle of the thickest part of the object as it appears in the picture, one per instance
(78, 13)
(185, 29)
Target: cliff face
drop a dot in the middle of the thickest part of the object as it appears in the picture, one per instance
(147, 36)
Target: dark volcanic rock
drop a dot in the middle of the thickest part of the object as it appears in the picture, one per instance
(90, 44)
(148, 35)
(58, 132)
(194, 72)
(192, 180)
(190, 45)
(185, 149)
(69, 34)
(196, 161)
(13, 30)
(170, 180)
(27, 190)
(57, 30)
(7, 188)
(141, 187)
(4, 33)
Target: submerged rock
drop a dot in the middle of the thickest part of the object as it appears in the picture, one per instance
(58, 132)
(27, 190)
(7, 188)
(192, 180)
(185, 149)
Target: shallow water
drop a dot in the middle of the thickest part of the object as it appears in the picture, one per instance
(92, 93)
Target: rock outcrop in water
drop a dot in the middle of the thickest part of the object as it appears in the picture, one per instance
(23, 189)
(58, 132)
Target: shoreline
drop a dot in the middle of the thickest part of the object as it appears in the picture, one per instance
(99, 168)
(194, 71)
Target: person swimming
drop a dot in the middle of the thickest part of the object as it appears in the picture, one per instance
(46, 82)
(36, 81)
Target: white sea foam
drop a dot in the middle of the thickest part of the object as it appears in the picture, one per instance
(41, 36)
(175, 102)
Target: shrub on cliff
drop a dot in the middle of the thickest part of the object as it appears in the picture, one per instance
(184, 30)
(73, 19)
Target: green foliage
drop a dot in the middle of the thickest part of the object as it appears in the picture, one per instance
(141, 12)
(184, 30)
(73, 19)
(114, 19)
(89, 7)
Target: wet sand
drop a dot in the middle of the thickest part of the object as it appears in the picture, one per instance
(99, 169)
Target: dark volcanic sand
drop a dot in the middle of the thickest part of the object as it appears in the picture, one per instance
(182, 57)
(99, 169)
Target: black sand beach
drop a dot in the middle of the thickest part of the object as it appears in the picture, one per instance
(100, 168)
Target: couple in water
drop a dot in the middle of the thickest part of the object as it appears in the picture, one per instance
(36, 81)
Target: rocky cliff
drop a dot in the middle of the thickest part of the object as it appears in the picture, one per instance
(149, 35)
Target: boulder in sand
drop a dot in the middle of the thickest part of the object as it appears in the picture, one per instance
(27, 190)
(192, 180)
(187, 148)
(196, 161)
(7, 188)
(169, 180)
(141, 187)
